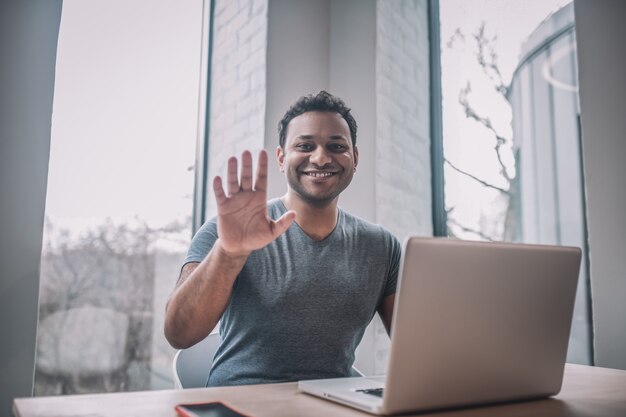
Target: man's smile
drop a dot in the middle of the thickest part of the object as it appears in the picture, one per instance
(319, 174)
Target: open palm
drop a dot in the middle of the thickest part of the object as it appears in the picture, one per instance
(243, 224)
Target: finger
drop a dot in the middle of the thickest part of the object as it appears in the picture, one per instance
(261, 172)
(281, 225)
(233, 183)
(218, 190)
(246, 171)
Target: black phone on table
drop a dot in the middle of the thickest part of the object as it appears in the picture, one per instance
(213, 409)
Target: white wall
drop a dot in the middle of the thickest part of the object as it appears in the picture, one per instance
(352, 71)
(298, 40)
(600, 33)
(28, 42)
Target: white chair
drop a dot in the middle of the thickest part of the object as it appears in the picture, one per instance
(191, 366)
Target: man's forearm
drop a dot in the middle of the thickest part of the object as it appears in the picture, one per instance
(198, 302)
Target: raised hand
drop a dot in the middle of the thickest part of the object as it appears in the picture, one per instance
(242, 221)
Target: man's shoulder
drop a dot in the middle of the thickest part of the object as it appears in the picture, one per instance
(366, 228)
(275, 208)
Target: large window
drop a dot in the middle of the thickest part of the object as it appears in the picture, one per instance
(119, 202)
(511, 137)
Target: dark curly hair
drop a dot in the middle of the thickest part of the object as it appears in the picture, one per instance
(322, 101)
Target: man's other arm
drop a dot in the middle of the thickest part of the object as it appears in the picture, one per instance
(385, 311)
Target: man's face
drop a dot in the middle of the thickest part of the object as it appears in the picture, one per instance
(318, 160)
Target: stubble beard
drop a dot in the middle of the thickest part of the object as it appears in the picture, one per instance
(317, 199)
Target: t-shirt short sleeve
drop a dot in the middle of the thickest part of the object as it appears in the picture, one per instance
(202, 242)
(395, 250)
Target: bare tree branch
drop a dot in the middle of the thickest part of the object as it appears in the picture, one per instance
(456, 35)
(470, 230)
(488, 59)
(475, 178)
(486, 122)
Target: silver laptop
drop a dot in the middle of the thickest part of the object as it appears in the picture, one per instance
(474, 323)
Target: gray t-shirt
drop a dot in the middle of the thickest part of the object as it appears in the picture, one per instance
(299, 307)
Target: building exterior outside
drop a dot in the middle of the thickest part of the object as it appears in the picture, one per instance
(550, 204)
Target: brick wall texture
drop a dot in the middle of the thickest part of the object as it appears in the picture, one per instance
(403, 193)
(237, 118)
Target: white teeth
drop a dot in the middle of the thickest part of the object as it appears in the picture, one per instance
(319, 174)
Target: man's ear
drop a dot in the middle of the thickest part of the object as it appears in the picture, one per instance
(280, 158)
(356, 156)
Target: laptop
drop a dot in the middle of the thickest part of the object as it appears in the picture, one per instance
(474, 323)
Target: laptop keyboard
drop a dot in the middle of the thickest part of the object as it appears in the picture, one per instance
(378, 392)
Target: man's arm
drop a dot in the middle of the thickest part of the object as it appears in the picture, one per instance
(385, 310)
(201, 295)
(203, 290)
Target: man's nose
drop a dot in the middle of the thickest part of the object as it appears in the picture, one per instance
(320, 156)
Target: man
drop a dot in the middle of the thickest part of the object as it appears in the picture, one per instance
(296, 280)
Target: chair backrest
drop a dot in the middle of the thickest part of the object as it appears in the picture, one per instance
(191, 366)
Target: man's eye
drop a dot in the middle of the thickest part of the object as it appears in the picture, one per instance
(337, 147)
(304, 147)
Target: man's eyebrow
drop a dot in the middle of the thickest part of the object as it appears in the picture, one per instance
(305, 137)
(311, 137)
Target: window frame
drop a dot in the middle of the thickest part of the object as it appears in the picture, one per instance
(439, 215)
(198, 217)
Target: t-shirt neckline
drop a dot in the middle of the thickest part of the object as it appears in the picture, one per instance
(324, 241)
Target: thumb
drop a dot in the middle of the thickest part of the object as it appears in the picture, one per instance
(281, 225)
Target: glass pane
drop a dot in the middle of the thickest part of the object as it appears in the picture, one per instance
(119, 202)
(513, 168)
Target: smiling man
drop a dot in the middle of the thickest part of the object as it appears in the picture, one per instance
(296, 280)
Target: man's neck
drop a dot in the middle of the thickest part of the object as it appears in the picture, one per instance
(317, 221)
